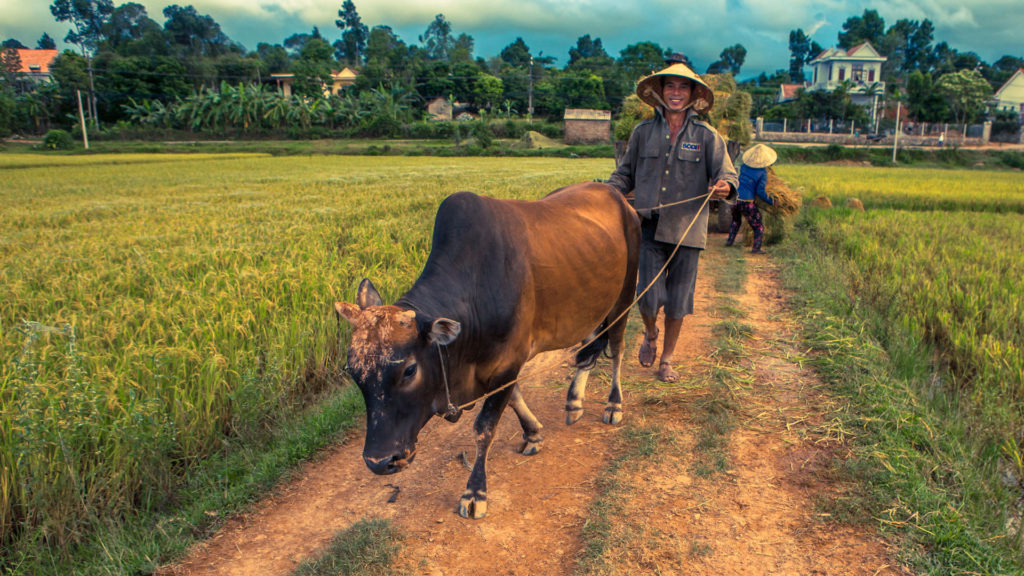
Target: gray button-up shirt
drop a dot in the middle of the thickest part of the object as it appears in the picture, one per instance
(663, 172)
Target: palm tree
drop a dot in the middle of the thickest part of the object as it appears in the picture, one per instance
(873, 90)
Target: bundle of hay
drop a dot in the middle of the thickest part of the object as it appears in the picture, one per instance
(779, 217)
(731, 112)
(787, 202)
(821, 202)
(535, 140)
(855, 204)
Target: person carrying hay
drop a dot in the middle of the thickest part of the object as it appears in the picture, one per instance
(753, 179)
(673, 161)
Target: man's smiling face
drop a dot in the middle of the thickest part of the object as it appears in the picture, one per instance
(676, 92)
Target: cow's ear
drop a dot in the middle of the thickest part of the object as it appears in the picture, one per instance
(444, 331)
(347, 311)
(368, 295)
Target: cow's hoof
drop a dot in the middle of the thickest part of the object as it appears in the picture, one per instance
(612, 416)
(572, 415)
(473, 506)
(531, 447)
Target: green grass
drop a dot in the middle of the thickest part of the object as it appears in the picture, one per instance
(715, 417)
(161, 314)
(365, 548)
(604, 529)
(912, 311)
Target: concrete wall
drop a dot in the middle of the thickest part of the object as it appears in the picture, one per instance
(952, 138)
(588, 131)
(850, 140)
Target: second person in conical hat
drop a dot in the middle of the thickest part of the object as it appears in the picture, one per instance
(753, 179)
(673, 162)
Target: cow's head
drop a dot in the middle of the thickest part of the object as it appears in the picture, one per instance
(393, 358)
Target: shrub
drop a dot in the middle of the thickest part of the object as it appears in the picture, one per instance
(428, 130)
(633, 112)
(483, 133)
(7, 109)
(58, 140)
(952, 156)
(1012, 159)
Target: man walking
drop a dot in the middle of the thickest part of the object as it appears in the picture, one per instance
(673, 162)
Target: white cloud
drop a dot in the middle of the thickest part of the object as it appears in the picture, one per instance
(702, 30)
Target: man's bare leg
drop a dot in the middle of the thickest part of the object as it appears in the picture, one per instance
(673, 326)
(649, 347)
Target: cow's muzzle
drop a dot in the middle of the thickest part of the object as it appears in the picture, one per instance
(390, 464)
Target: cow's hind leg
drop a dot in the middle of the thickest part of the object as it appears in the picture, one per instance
(613, 411)
(473, 503)
(531, 426)
(617, 338)
(585, 360)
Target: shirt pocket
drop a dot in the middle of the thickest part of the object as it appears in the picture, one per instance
(648, 168)
(687, 155)
(691, 166)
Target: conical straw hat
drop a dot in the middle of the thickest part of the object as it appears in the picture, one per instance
(760, 156)
(649, 88)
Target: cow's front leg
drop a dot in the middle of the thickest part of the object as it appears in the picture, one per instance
(531, 426)
(473, 503)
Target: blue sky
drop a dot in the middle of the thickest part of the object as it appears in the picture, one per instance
(991, 28)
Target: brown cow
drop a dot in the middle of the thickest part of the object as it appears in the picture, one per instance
(505, 280)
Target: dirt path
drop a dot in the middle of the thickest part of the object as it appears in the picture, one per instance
(760, 515)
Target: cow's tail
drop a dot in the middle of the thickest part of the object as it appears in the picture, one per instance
(587, 356)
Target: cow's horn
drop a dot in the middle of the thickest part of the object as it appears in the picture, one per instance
(347, 311)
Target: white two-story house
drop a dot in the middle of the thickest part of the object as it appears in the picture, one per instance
(1010, 96)
(859, 68)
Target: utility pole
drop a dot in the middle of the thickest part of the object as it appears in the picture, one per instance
(529, 106)
(81, 120)
(896, 135)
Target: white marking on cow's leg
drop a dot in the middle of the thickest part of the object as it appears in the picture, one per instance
(577, 392)
(531, 426)
(613, 411)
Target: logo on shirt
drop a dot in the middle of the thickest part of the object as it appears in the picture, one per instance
(691, 146)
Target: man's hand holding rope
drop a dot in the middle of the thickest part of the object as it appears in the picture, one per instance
(720, 190)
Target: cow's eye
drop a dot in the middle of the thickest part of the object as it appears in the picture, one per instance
(410, 371)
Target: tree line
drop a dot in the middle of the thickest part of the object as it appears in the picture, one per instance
(934, 81)
(187, 74)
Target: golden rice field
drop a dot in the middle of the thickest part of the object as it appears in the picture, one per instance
(940, 253)
(912, 188)
(151, 305)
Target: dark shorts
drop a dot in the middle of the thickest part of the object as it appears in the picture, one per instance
(674, 288)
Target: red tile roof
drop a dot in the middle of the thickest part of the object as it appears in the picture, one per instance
(789, 92)
(855, 48)
(36, 61)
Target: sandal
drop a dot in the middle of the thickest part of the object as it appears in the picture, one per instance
(666, 373)
(648, 351)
